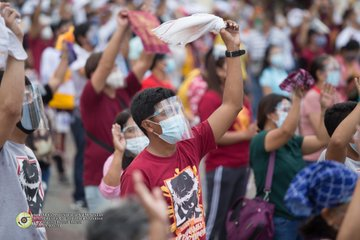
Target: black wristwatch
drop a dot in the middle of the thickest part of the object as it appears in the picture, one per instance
(236, 53)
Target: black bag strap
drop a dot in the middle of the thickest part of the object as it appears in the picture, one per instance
(100, 143)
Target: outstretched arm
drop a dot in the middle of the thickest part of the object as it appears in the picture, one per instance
(13, 81)
(221, 120)
(321, 139)
(337, 148)
(107, 61)
(280, 136)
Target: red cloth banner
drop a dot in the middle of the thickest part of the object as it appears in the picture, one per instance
(142, 24)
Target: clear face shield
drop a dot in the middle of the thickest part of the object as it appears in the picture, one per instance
(33, 115)
(170, 116)
(136, 141)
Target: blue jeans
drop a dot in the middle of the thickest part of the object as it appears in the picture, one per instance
(286, 229)
(95, 201)
(79, 137)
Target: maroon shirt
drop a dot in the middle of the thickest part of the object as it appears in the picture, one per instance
(234, 155)
(98, 112)
(178, 177)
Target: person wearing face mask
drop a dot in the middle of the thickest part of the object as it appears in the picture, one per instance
(227, 167)
(21, 113)
(326, 76)
(277, 120)
(172, 158)
(341, 121)
(101, 101)
(126, 129)
(273, 72)
(161, 68)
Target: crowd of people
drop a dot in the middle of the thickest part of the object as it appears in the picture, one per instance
(143, 122)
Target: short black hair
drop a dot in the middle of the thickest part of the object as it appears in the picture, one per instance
(267, 105)
(336, 114)
(317, 228)
(81, 31)
(143, 103)
(130, 221)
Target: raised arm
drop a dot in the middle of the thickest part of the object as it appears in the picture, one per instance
(321, 139)
(59, 75)
(13, 81)
(142, 65)
(35, 28)
(337, 148)
(112, 177)
(221, 120)
(106, 64)
(280, 136)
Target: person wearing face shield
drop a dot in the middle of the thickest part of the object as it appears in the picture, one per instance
(171, 160)
(277, 120)
(341, 122)
(21, 112)
(107, 92)
(126, 129)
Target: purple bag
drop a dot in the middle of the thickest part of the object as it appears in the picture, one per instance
(252, 219)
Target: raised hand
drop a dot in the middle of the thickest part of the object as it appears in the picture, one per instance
(10, 16)
(230, 35)
(327, 96)
(123, 18)
(118, 138)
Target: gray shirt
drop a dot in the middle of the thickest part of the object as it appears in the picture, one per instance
(20, 191)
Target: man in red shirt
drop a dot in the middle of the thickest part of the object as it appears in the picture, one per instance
(102, 99)
(171, 161)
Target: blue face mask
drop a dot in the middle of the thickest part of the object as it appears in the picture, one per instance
(137, 144)
(92, 36)
(354, 147)
(277, 60)
(170, 66)
(333, 78)
(173, 129)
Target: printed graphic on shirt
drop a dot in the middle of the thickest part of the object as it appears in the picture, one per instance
(30, 180)
(186, 211)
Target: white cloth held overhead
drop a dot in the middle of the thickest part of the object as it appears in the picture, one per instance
(9, 45)
(187, 29)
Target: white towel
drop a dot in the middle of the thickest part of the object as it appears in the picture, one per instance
(9, 45)
(187, 29)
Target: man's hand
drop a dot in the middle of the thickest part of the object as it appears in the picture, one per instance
(10, 16)
(230, 35)
(252, 130)
(118, 138)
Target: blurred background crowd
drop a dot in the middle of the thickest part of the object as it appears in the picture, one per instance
(321, 36)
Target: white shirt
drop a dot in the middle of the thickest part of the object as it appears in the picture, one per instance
(350, 163)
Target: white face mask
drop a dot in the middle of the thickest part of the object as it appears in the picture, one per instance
(137, 144)
(116, 79)
(282, 110)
